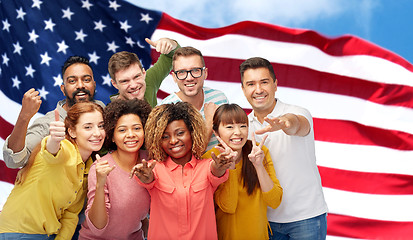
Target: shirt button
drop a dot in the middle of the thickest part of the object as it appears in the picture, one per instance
(184, 186)
(75, 191)
(81, 180)
(81, 168)
(70, 202)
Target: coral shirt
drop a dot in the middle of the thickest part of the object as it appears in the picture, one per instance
(182, 203)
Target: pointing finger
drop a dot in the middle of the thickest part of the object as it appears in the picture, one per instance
(152, 43)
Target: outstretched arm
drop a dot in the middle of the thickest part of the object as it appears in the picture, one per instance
(291, 124)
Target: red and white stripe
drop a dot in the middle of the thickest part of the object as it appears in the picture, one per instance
(361, 98)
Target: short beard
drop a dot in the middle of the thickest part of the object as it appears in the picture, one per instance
(72, 100)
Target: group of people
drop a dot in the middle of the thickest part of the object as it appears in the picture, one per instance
(192, 167)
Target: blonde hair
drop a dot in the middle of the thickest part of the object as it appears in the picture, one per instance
(164, 114)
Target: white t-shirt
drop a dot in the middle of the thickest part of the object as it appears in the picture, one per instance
(295, 166)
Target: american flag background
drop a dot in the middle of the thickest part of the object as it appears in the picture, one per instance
(360, 95)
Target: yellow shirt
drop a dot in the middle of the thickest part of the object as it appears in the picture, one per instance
(242, 216)
(51, 197)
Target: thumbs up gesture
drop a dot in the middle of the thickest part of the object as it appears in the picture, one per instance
(102, 170)
(57, 134)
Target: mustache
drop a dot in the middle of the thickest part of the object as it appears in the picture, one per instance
(84, 90)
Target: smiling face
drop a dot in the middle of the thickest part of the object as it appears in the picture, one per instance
(88, 133)
(189, 87)
(259, 88)
(130, 82)
(234, 135)
(78, 83)
(177, 142)
(128, 134)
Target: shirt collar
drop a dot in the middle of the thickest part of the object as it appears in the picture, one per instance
(171, 165)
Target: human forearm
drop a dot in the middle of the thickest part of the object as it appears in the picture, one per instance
(97, 213)
(264, 178)
(17, 137)
(296, 125)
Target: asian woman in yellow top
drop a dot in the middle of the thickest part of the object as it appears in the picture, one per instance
(241, 201)
(50, 190)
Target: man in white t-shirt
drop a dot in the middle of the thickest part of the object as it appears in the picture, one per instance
(303, 210)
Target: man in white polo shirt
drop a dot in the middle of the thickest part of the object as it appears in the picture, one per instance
(303, 210)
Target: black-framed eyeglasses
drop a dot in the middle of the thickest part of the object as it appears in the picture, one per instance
(183, 74)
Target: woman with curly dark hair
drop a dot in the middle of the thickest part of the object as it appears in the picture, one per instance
(180, 183)
(117, 204)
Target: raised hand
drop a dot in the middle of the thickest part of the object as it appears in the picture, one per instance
(163, 45)
(144, 171)
(225, 160)
(257, 154)
(30, 104)
(102, 170)
(57, 134)
(277, 123)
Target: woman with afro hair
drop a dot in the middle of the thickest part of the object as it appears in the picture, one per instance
(180, 183)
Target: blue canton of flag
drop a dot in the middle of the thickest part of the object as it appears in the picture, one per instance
(37, 37)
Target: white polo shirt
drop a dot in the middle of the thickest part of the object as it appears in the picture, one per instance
(295, 166)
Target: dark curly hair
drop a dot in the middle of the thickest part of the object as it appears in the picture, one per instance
(117, 109)
(164, 114)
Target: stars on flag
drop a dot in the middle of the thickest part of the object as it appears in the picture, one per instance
(67, 14)
(112, 46)
(20, 14)
(5, 59)
(33, 36)
(36, 4)
(58, 80)
(106, 80)
(114, 5)
(17, 48)
(49, 25)
(6, 25)
(99, 26)
(62, 47)
(80, 35)
(93, 57)
(146, 18)
(125, 26)
(43, 93)
(45, 58)
(86, 4)
(67, 28)
(16, 82)
(30, 71)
